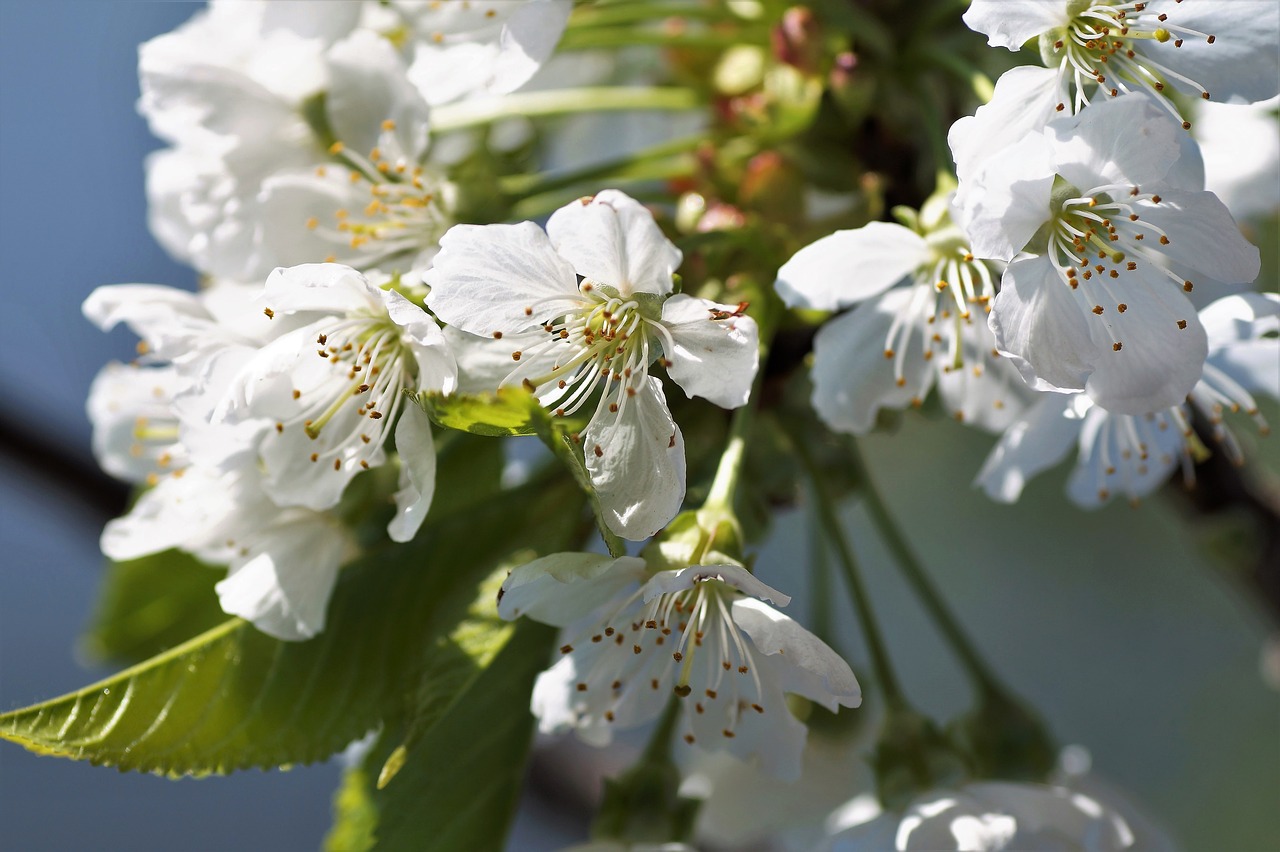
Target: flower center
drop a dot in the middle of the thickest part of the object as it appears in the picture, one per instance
(1098, 47)
(688, 637)
(1099, 236)
(945, 291)
(607, 343)
(404, 214)
(361, 367)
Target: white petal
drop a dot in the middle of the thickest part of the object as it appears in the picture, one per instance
(528, 39)
(1024, 100)
(847, 267)
(369, 87)
(288, 200)
(636, 462)
(417, 473)
(328, 287)
(715, 359)
(1241, 64)
(1037, 442)
(667, 582)
(1124, 140)
(437, 370)
(285, 584)
(1202, 235)
(807, 666)
(1159, 361)
(485, 276)
(612, 239)
(1009, 199)
(190, 512)
(852, 378)
(1012, 24)
(564, 587)
(1038, 324)
(1242, 317)
(165, 317)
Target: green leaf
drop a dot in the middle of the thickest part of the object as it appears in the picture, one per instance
(453, 663)
(355, 816)
(234, 698)
(509, 411)
(151, 604)
(458, 786)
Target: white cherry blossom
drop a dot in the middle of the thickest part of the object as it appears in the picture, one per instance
(703, 633)
(1104, 236)
(334, 386)
(283, 562)
(1220, 50)
(582, 311)
(901, 340)
(1134, 454)
(988, 815)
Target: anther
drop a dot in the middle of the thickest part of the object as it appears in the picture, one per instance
(1182, 323)
(1117, 346)
(270, 313)
(1122, 307)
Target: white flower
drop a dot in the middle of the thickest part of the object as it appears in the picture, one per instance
(586, 308)
(1221, 50)
(891, 349)
(333, 387)
(703, 633)
(462, 48)
(990, 815)
(1104, 237)
(1133, 455)
(255, 181)
(283, 561)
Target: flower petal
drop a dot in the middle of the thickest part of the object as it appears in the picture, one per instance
(636, 462)
(805, 664)
(715, 359)
(330, 288)
(846, 267)
(369, 87)
(528, 39)
(1124, 140)
(1039, 325)
(1241, 64)
(1159, 344)
(417, 453)
(285, 584)
(1202, 235)
(1024, 100)
(562, 588)
(852, 378)
(486, 276)
(1009, 199)
(1036, 442)
(1013, 24)
(666, 582)
(437, 370)
(612, 240)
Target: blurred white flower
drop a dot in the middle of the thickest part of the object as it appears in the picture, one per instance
(1241, 147)
(1103, 236)
(282, 562)
(1134, 455)
(988, 816)
(899, 340)
(586, 308)
(702, 632)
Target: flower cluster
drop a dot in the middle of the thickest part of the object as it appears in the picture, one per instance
(1082, 234)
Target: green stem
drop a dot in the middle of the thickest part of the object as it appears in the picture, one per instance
(605, 37)
(524, 186)
(895, 699)
(658, 749)
(984, 679)
(820, 582)
(473, 113)
(586, 17)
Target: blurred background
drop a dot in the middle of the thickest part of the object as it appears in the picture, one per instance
(1138, 633)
